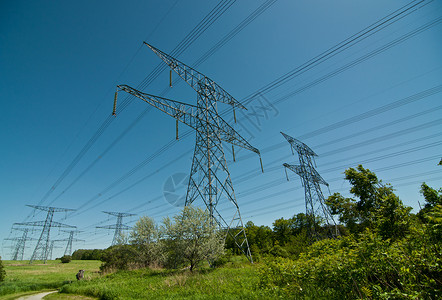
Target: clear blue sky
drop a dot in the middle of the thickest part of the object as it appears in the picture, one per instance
(60, 62)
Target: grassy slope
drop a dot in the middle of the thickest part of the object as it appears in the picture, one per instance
(234, 281)
(24, 277)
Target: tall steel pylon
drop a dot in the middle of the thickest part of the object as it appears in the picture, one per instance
(119, 226)
(69, 240)
(51, 248)
(209, 179)
(42, 247)
(315, 208)
(19, 248)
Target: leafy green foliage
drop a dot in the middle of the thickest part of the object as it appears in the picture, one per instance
(66, 259)
(363, 267)
(432, 196)
(119, 257)
(389, 254)
(145, 238)
(87, 254)
(2, 270)
(377, 207)
(193, 237)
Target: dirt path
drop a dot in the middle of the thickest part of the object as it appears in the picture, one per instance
(36, 296)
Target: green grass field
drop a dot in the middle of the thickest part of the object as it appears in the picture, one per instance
(233, 281)
(22, 277)
(236, 280)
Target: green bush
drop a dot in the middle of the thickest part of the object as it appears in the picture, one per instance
(2, 270)
(366, 266)
(119, 257)
(66, 259)
(87, 254)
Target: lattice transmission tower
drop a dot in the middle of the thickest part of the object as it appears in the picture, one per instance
(69, 240)
(51, 248)
(119, 226)
(316, 210)
(42, 248)
(209, 178)
(19, 248)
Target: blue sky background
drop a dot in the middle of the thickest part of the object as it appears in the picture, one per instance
(60, 62)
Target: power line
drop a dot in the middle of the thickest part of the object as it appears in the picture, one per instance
(344, 45)
(183, 45)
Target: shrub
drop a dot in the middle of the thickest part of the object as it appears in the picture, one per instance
(2, 270)
(66, 259)
(366, 266)
(119, 257)
(194, 237)
(87, 254)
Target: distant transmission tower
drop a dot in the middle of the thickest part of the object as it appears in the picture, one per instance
(69, 240)
(42, 247)
(209, 176)
(51, 248)
(19, 248)
(119, 226)
(315, 208)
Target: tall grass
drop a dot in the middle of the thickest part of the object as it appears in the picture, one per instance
(233, 281)
(23, 277)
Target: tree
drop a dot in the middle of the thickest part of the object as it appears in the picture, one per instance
(193, 236)
(145, 237)
(432, 196)
(2, 270)
(87, 254)
(282, 230)
(119, 257)
(377, 207)
(66, 259)
(259, 237)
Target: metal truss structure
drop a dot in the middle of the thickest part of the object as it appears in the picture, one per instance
(316, 210)
(51, 248)
(209, 179)
(42, 248)
(119, 226)
(69, 240)
(19, 248)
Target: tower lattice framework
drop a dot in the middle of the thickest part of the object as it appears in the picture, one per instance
(69, 240)
(316, 210)
(51, 249)
(20, 245)
(209, 180)
(42, 248)
(118, 227)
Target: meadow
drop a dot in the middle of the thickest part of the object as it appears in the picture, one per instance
(24, 278)
(236, 280)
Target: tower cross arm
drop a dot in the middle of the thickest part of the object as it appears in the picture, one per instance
(188, 114)
(295, 168)
(122, 226)
(66, 240)
(20, 239)
(42, 223)
(311, 174)
(230, 135)
(48, 208)
(183, 112)
(298, 145)
(195, 78)
(122, 214)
